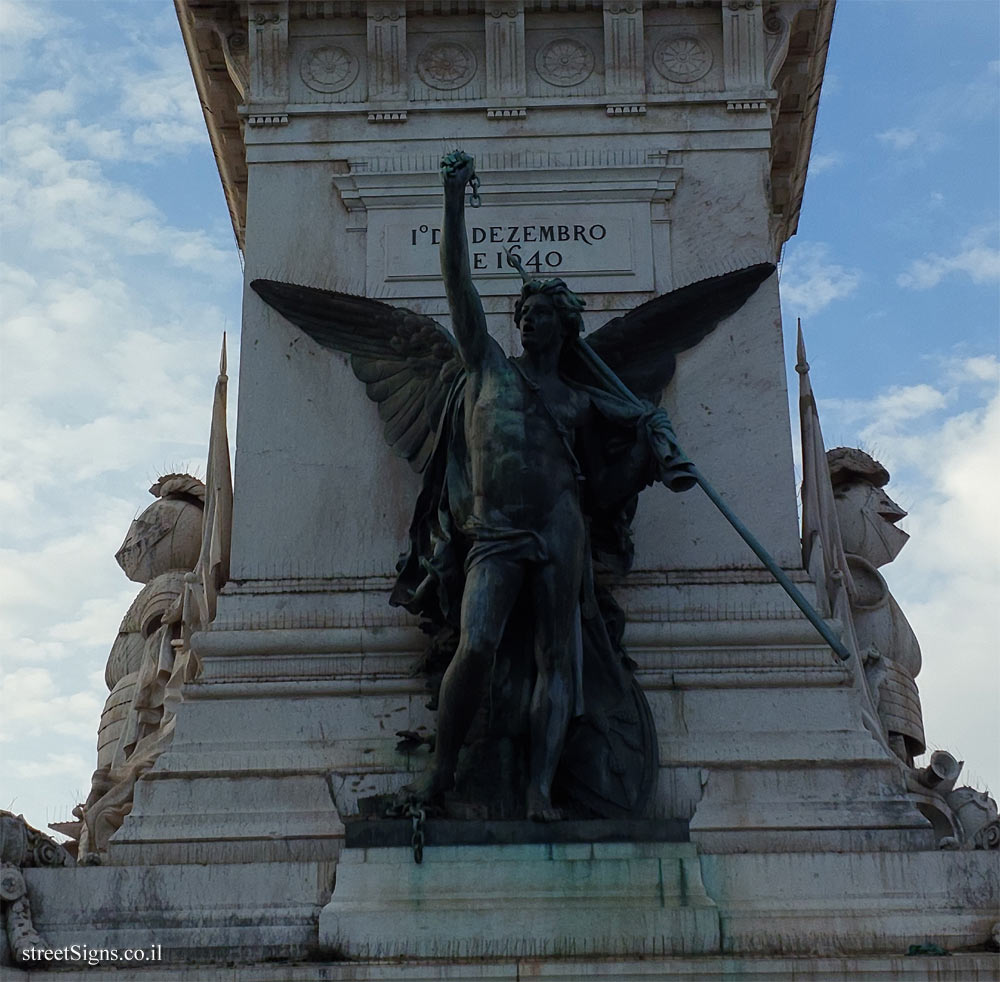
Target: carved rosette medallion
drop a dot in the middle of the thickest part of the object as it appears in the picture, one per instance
(328, 69)
(446, 65)
(682, 59)
(564, 61)
(11, 883)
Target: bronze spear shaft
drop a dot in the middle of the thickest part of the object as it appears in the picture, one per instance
(603, 372)
(599, 367)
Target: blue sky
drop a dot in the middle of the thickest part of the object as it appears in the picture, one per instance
(118, 273)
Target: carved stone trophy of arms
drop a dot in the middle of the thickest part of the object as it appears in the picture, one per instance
(486, 544)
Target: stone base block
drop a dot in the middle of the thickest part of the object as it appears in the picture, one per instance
(232, 912)
(962, 967)
(831, 904)
(531, 900)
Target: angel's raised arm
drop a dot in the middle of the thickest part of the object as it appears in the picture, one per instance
(468, 318)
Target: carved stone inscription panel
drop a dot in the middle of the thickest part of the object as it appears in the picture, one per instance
(591, 247)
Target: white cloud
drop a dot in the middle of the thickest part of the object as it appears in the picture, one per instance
(980, 368)
(832, 84)
(97, 141)
(61, 204)
(24, 21)
(140, 97)
(34, 705)
(52, 102)
(169, 134)
(977, 258)
(897, 405)
(906, 402)
(819, 163)
(53, 765)
(810, 281)
(898, 138)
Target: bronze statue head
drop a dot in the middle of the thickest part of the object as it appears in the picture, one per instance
(566, 304)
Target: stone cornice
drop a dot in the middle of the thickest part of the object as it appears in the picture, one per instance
(773, 81)
(205, 28)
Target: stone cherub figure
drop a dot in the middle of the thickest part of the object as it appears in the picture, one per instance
(531, 467)
(867, 519)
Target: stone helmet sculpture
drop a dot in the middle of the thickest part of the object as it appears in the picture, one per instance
(167, 535)
(866, 514)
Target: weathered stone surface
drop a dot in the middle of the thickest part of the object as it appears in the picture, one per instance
(798, 905)
(197, 913)
(961, 967)
(573, 899)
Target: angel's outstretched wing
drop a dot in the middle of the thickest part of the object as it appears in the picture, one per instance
(640, 346)
(407, 361)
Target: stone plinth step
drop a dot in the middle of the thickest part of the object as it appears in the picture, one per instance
(528, 900)
(961, 967)
(363, 833)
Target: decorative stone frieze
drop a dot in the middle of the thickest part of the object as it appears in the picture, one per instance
(505, 73)
(743, 44)
(267, 119)
(328, 68)
(519, 112)
(624, 69)
(682, 59)
(447, 65)
(268, 54)
(22, 847)
(564, 61)
(777, 33)
(387, 53)
(234, 41)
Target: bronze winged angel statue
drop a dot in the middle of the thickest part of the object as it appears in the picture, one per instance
(531, 469)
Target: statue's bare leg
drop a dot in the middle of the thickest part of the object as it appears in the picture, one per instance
(556, 590)
(491, 588)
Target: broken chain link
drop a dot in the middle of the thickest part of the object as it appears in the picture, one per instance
(417, 816)
(475, 201)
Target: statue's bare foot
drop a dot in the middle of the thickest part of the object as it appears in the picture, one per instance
(430, 785)
(541, 809)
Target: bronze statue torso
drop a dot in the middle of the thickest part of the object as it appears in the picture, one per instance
(520, 439)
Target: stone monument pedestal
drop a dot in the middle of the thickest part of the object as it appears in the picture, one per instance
(528, 900)
(648, 146)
